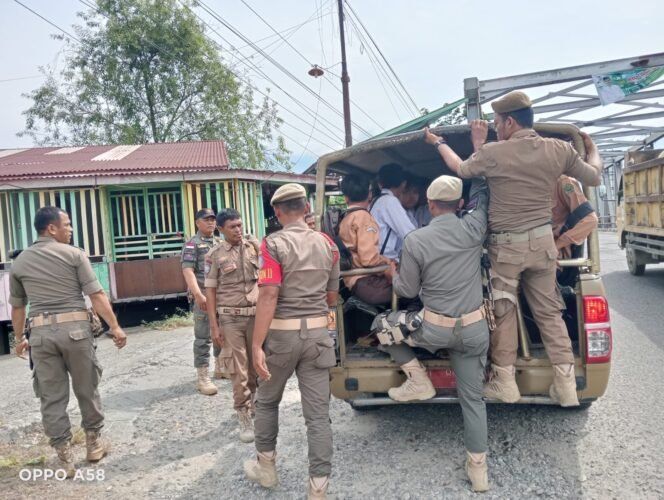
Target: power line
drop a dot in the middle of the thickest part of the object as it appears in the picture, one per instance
(274, 62)
(377, 66)
(262, 73)
(22, 78)
(49, 22)
(304, 57)
(248, 83)
(320, 87)
(278, 34)
(382, 55)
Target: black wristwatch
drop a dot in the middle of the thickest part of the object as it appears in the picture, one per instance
(439, 142)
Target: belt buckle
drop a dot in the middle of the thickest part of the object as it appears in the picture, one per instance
(508, 237)
(237, 311)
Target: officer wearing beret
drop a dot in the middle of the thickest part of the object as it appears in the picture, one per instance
(522, 169)
(441, 264)
(298, 283)
(193, 260)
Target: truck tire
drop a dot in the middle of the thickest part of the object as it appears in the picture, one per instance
(633, 259)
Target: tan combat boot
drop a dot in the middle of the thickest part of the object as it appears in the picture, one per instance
(263, 470)
(502, 385)
(477, 471)
(204, 384)
(246, 426)
(66, 459)
(318, 488)
(219, 371)
(97, 446)
(417, 387)
(563, 389)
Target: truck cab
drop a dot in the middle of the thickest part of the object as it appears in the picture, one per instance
(364, 374)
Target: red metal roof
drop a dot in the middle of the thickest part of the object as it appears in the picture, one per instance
(175, 157)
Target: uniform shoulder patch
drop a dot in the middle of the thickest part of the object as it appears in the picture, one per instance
(330, 241)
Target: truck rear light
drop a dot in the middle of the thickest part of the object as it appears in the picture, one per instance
(598, 345)
(598, 329)
(595, 309)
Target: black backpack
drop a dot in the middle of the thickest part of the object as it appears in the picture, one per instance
(330, 226)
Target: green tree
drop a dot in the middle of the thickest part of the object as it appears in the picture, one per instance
(144, 71)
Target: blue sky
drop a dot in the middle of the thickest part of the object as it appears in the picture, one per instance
(432, 46)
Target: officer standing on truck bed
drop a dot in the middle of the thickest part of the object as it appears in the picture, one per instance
(52, 276)
(522, 169)
(299, 282)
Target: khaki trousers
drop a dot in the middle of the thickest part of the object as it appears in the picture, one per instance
(58, 352)
(237, 357)
(532, 264)
(310, 354)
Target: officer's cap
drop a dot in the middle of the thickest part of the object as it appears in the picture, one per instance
(513, 101)
(204, 213)
(287, 192)
(445, 188)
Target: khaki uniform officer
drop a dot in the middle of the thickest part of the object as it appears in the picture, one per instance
(522, 169)
(231, 288)
(440, 263)
(52, 277)
(194, 255)
(299, 281)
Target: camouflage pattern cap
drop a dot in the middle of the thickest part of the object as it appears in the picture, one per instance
(204, 213)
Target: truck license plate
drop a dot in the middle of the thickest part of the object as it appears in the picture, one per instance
(443, 378)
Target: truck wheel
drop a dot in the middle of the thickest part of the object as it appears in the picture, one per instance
(633, 258)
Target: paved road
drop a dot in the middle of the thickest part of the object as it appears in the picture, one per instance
(173, 443)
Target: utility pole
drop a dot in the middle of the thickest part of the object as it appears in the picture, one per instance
(344, 78)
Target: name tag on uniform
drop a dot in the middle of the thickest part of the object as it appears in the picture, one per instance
(227, 268)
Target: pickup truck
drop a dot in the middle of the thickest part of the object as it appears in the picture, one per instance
(364, 374)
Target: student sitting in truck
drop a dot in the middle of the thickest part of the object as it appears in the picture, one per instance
(360, 234)
(413, 199)
(386, 208)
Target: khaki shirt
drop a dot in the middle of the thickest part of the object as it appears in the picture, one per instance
(234, 273)
(52, 277)
(522, 173)
(567, 197)
(305, 265)
(359, 232)
(441, 262)
(193, 255)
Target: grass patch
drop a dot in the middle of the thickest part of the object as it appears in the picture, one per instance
(180, 319)
(13, 462)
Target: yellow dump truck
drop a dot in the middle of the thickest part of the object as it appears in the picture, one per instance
(364, 374)
(640, 218)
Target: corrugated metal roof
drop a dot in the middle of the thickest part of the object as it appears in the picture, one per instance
(174, 157)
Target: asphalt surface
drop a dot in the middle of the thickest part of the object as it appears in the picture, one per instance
(170, 442)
